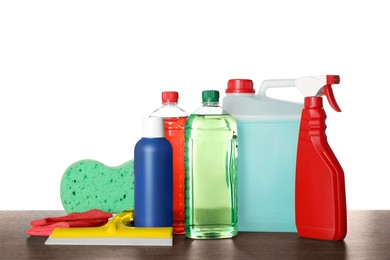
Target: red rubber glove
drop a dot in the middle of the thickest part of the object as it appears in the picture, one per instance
(90, 218)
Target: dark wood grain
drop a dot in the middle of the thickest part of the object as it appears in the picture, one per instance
(368, 238)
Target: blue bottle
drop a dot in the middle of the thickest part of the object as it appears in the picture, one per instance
(153, 178)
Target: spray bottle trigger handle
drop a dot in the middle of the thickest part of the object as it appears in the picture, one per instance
(328, 91)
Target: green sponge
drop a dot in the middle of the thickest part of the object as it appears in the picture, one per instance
(89, 184)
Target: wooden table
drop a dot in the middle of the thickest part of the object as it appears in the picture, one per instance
(368, 237)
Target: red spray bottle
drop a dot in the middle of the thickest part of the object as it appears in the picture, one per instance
(320, 203)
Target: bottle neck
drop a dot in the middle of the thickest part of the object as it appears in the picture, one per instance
(313, 119)
(210, 108)
(241, 94)
(313, 102)
(210, 104)
(169, 104)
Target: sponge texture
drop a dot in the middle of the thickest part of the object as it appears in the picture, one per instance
(89, 184)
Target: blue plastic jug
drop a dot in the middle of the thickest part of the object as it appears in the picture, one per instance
(267, 137)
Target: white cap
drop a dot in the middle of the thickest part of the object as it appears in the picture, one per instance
(153, 127)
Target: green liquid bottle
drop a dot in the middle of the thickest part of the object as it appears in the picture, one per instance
(211, 171)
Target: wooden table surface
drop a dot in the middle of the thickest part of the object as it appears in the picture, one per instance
(368, 237)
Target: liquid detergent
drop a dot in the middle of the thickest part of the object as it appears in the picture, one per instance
(153, 171)
(320, 188)
(211, 171)
(174, 123)
(268, 136)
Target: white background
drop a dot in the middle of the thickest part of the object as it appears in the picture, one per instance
(76, 78)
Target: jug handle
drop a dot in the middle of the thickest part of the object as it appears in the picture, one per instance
(275, 83)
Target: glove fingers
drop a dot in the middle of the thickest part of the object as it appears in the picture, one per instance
(90, 215)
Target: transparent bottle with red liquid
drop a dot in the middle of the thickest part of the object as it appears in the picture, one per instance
(174, 124)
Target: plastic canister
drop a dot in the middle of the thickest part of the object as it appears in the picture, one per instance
(267, 136)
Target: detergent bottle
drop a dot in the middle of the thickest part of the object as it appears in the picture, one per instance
(153, 165)
(320, 201)
(267, 137)
(174, 123)
(211, 171)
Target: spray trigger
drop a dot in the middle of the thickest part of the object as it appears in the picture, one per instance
(319, 85)
(328, 92)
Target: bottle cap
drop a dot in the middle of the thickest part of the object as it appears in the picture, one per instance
(240, 86)
(153, 127)
(210, 96)
(169, 96)
(313, 102)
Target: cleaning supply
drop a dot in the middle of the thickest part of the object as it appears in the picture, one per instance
(153, 176)
(268, 137)
(174, 122)
(90, 218)
(320, 188)
(89, 184)
(115, 232)
(211, 171)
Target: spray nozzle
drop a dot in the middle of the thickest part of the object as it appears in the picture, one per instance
(318, 86)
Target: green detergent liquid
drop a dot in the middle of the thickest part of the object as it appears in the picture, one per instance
(211, 176)
(266, 185)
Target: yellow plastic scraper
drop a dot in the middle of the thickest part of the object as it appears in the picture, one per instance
(115, 232)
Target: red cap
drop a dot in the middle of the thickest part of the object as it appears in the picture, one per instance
(169, 96)
(313, 102)
(240, 86)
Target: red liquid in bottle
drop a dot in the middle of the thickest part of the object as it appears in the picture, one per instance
(174, 132)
